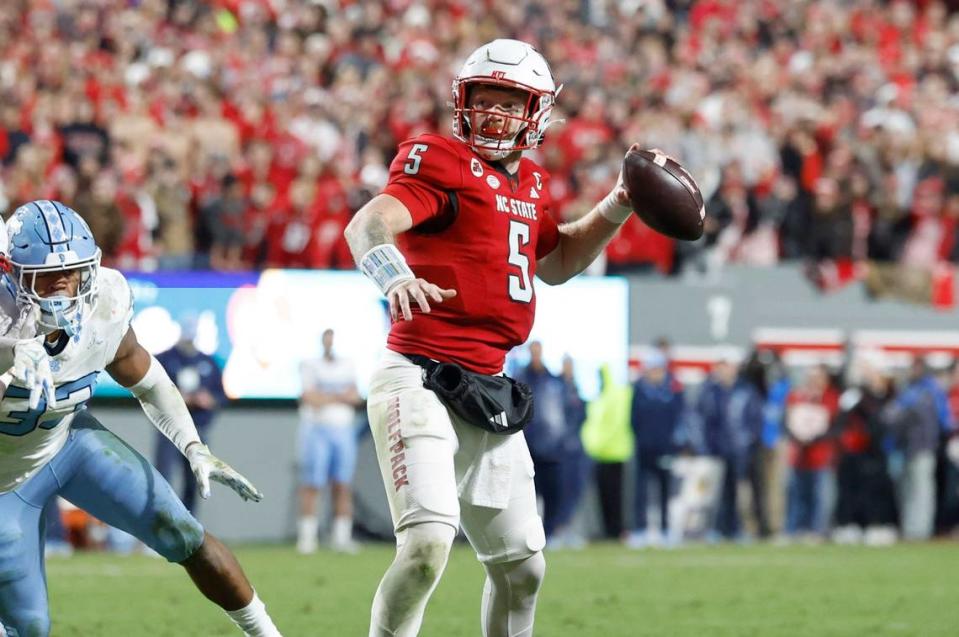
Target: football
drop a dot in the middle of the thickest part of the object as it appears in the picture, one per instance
(664, 195)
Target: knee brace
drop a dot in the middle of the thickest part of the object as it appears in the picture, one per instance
(519, 580)
(509, 596)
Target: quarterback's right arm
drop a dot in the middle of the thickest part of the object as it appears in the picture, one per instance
(371, 235)
(141, 373)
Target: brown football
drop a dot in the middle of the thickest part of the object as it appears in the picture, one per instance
(664, 195)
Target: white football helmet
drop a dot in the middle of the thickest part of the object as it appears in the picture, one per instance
(512, 64)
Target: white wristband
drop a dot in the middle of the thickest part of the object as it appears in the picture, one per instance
(612, 210)
(385, 266)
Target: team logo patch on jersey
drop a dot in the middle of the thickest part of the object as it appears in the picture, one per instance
(492, 181)
(476, 167)
(533, 193)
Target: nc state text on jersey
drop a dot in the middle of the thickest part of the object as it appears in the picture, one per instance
(524, 209)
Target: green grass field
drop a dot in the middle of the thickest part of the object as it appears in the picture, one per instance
(601, 591)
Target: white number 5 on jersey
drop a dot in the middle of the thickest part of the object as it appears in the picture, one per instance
(412, 165)
(520, 287)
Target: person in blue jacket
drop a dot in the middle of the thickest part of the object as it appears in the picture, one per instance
(657, 416)
(547, 435)
(730, 414)
(199, 380)
(576, 464)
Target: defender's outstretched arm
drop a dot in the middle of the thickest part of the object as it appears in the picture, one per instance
(141, 373)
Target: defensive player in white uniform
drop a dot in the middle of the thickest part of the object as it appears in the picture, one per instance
(75, 319)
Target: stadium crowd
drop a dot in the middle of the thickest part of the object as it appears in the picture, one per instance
(237, 134)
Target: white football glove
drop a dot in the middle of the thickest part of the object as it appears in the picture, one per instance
(31, 364)
(208, 467)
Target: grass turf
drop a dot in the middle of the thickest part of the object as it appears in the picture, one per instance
(603, 590)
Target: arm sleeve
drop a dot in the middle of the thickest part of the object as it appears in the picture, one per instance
(422, 174)
(164, 406)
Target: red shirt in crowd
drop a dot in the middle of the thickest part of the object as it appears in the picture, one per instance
(809, 419)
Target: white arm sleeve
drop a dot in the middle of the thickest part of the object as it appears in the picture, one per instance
(164, 406)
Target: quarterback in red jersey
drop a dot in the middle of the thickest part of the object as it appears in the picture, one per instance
(453, 242)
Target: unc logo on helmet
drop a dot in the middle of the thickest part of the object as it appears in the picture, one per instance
(509, 64)
(46, 237)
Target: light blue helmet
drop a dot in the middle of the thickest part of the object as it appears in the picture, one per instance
(47, 236)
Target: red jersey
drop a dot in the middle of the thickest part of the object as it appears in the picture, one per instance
(479, 231)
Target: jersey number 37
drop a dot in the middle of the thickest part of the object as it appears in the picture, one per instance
(20, 423)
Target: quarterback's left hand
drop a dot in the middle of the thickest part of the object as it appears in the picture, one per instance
(208, 467)
(619, 193)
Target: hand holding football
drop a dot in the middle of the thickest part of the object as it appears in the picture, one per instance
(663, 194)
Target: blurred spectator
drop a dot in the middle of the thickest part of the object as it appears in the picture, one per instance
(729, 410)
(866, 505)
(576, 466)
(608, 440)
(169, 197)
(811, 493)
(327, 446)
(656, 415)
(198, 378)
(12, 135)
(552, 441)
(751, 399)
(947, 508)
(775, 445)
(918, 415)
(97, 203)
(224, 215)
(82, 136)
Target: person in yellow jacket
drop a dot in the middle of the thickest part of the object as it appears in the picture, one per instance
(608, 439)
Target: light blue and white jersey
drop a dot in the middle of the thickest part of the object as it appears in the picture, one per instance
(332, 377)
(29, 438)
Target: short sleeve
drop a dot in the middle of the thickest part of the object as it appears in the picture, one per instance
(115, 307)
(422, 174)
(548, 237)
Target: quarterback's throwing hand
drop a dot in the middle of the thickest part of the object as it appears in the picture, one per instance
(31, 364)
(419, 290)
(619, 192)
(208, 467)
